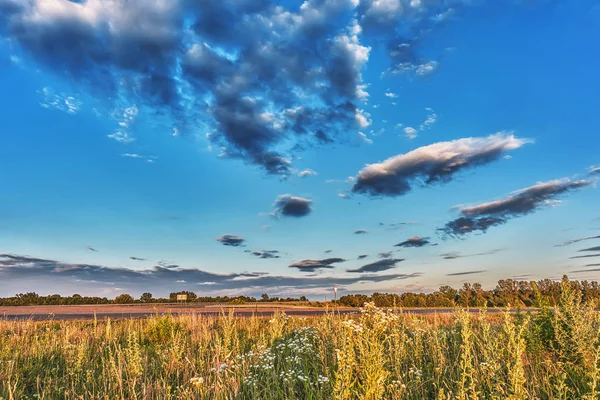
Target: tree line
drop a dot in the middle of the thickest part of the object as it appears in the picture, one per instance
(34, 299)
(508, 292)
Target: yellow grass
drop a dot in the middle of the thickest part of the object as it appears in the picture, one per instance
(378, 354)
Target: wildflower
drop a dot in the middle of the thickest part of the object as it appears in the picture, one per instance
(197, 381)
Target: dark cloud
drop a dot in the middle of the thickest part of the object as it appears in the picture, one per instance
(328, 251)
(577, 240)
(432, 164)
(231, 240)
(360, 257)
(396, 225)
(414, 242)
(453, 256)
(360, 231)
(90, 248)
(267, 254)
(247, 69)
(481, 217)
(168, 265)
(386, 254)
(378, 266)
(289, 206)
(137, 258)
(465, 273)
(594, 170)
(314, 265)
(402, 26)
(579, 271)
(23, 273)
(597, 248)
(586, 256)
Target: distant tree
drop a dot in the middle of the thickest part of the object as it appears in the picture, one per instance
(303, 298)
(146, 297)
(124, 299)
(264, 297)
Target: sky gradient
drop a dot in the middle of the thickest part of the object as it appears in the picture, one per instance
(243, 147)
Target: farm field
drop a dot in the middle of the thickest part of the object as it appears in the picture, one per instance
(377, 354)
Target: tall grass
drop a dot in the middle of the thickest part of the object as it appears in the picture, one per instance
(377, 354)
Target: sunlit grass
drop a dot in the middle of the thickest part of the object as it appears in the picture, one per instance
(378, 354)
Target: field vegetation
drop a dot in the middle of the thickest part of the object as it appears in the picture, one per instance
(377, 354)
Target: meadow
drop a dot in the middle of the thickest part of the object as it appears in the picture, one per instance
(376, 354)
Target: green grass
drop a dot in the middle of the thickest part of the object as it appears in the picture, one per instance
(553, 354)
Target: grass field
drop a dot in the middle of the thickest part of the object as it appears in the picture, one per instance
(554, 354)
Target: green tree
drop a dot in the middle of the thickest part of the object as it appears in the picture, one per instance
(124, 299)
(146, 297)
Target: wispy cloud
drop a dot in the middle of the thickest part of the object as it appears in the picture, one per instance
(481, 217)
(465, 273)
(59, 101)
(453, 256)
(578, 240)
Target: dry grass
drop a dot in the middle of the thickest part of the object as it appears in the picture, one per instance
(376, 355)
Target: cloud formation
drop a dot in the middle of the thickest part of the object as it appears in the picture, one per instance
(415, 241)
(360, 231)
(453, 256)
(465, 273)
(481, 217)
(231, 240)
(314, 265)
(586, 256)
(385, 254)
(360, 257)
(261, 77)
(22, 273)
(436, 163)
(596, 248)
(577, 240)
(307, 173)
(579, 271)
(267, 254)
(287, 205)
(377, 266)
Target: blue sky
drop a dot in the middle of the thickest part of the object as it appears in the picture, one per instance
(151, 129)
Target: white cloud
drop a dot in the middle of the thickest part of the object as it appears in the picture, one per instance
(426, 68)
(131, 155)
(365, 138)
(362, 118)
(437, 162)
(58, 101)
(307, 173)
(410, 132)
(121, 136)
(430, 121)
(391, 95)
